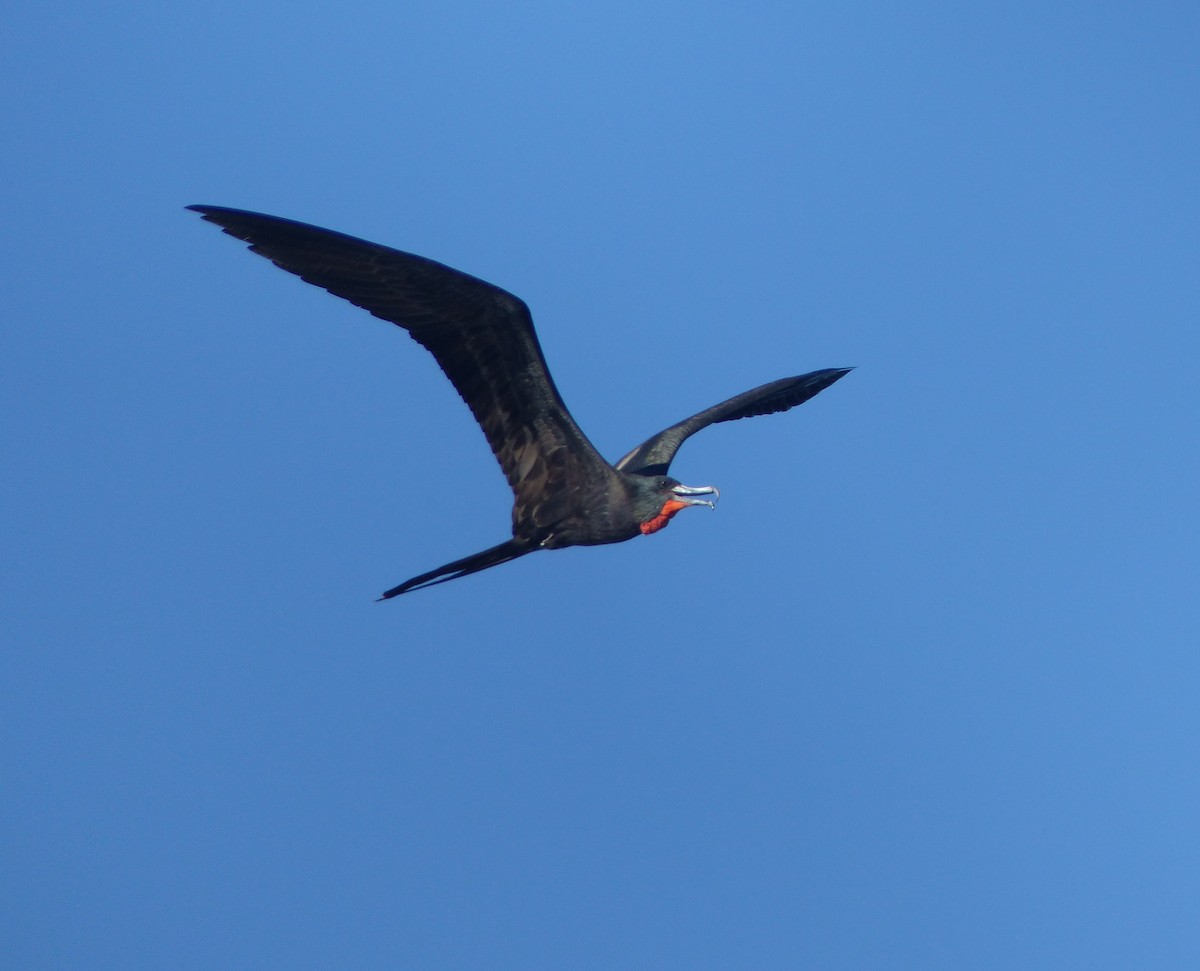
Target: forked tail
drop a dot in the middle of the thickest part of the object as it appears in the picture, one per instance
(464, 567)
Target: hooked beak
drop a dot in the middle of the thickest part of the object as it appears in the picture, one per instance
(688, 495)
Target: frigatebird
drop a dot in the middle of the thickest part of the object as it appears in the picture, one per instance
(565, 493)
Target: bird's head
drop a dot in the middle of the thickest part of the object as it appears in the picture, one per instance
(656, 498)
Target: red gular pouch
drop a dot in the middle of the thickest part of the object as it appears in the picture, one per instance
(669, 509)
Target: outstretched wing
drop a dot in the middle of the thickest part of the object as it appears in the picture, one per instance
(481, 336)
(653, 456)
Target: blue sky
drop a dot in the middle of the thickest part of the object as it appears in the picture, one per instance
(922, 693)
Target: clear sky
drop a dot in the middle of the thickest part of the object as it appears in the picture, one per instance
(922, 693)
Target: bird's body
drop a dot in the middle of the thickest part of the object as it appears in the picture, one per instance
(565, 493)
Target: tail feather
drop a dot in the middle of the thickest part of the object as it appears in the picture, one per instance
(509, 550)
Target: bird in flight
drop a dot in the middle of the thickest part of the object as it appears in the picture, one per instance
(566, 494)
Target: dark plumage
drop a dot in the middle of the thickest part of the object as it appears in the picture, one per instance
(565, 493)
